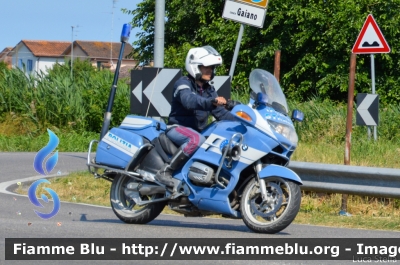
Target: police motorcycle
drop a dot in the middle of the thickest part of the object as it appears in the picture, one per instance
(240, 171)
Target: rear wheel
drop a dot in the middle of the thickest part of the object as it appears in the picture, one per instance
(277, 211)
(125, 207)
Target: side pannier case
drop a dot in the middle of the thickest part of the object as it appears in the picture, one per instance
(147, 127)
(118, 148)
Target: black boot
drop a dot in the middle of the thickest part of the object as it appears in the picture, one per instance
(164, 175)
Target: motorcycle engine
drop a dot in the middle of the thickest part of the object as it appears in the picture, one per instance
(201, 174)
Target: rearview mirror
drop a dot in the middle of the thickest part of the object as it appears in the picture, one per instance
(297, 115)
(262, 98)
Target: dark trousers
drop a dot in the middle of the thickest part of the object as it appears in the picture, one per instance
(188, 139)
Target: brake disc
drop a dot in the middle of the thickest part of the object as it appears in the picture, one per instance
(271, 205)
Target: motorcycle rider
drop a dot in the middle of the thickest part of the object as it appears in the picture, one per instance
(194, 99)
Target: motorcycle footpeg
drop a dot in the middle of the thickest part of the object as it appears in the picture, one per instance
(173, 194)
(178, 190)
(176, 184)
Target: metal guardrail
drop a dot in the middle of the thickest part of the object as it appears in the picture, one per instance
(357, 180)
(368, 181)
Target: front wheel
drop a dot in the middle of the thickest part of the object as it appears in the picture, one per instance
(125, 207)
(277, 211)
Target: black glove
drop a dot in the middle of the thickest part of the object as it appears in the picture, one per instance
(230, 104)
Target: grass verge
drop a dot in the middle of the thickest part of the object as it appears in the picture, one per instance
(316, 209)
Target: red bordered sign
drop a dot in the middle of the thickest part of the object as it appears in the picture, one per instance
(370, 39)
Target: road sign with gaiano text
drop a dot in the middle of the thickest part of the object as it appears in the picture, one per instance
(243, 13)
(370, 40)
(259, 3)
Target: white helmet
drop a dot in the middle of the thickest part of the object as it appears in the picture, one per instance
(206, 56)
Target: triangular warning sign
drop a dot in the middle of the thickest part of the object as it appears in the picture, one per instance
(370, 39)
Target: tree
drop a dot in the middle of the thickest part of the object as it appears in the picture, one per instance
(315, 37)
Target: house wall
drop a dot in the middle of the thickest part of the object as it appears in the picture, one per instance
(78, 53)
(42, 64)
(8, 61)
(46, 63)
(128, 63)
(23, 54)
(39, 64)
(4, 57)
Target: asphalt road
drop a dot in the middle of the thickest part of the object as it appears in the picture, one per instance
(18, 220)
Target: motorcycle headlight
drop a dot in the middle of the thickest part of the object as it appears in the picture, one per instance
(285, 130)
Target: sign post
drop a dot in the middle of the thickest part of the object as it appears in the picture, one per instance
(250, 12)
(371, 41)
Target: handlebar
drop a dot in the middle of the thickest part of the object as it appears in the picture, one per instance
(230, 104)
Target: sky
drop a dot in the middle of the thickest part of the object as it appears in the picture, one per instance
(93, 20)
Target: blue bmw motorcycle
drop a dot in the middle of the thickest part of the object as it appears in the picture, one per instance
(240, 171)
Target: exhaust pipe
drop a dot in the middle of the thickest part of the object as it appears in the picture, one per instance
(151, 189)
(145, 189)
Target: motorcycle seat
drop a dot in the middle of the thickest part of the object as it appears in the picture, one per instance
(167, 145)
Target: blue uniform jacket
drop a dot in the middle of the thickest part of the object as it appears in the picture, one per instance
(191, 105)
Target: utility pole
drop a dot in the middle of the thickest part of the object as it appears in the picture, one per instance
(112, 30)
(72, 49)
(159, 25)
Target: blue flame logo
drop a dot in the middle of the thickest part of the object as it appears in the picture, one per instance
(49, 165)
(35, 201)
(45, 151)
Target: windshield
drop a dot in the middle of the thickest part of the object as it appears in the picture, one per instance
(264, 82)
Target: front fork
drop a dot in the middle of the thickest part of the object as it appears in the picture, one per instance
(263, 187)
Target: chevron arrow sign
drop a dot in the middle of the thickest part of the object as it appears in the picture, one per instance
(151, 90)
(367, 109)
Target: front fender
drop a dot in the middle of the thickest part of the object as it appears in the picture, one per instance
(279, 171)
